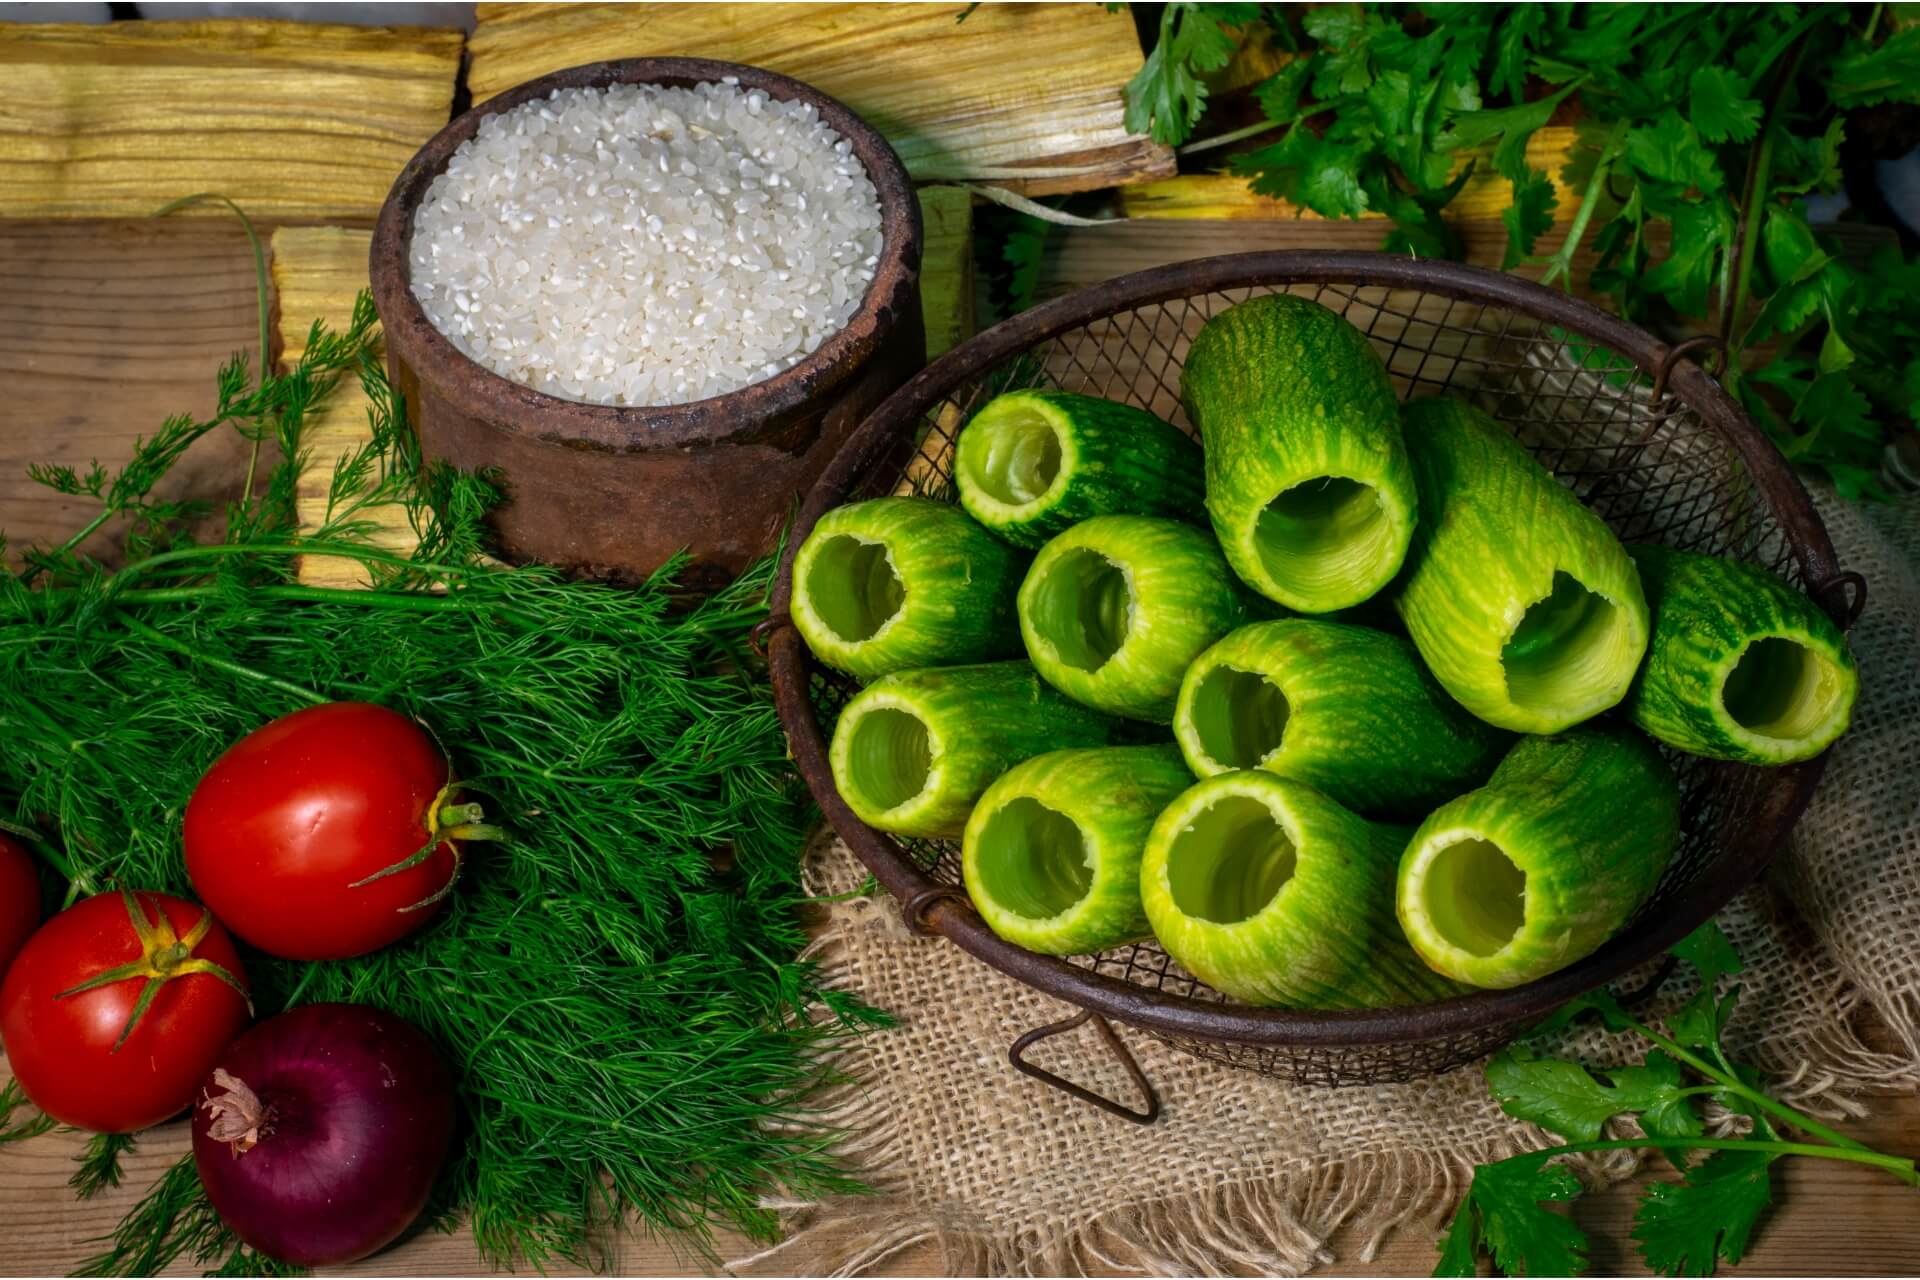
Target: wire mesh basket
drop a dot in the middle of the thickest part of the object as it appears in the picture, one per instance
(1633, 426)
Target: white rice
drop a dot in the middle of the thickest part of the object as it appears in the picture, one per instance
(646, 246)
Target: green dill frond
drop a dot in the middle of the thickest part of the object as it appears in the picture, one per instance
(630, 1030)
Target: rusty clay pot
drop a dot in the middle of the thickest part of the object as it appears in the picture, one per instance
(612, 491)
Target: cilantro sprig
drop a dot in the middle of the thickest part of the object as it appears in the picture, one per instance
(1683, 1227)
(1701, 131)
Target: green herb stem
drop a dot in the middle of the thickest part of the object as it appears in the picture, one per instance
(1726, 1082)
(1900, 1167)
(1753, 200)
(260, 299)
(153, 636)
(1560, 265)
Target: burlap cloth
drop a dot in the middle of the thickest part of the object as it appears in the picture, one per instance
(1246, 1174)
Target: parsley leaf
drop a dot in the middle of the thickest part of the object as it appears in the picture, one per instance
(1682, 1227)
(1720, 108)
(1709, 952)
(1166, 97)
(1669, 150)
(1568, 1099)
(1279, 94)
(1521, 1233)
(1702, 233)
(1890, 73)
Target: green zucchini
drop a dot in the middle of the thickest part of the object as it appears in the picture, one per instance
(1115, 608)
(1741, 666)
(1345, 709)
(892, 584)
(1051, 856)
(913, 750)
(1035, 463)
(1543, 864)
(1270, 892)
(1523, 603)
(1308, 483)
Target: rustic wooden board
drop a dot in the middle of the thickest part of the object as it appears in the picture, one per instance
(1830, 1219)
(318, 270)
(317, 274)
(106, 329)
(1220, 195)
(1012, 87)
(292, 120)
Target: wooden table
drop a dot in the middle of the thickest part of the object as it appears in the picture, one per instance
(108, 326)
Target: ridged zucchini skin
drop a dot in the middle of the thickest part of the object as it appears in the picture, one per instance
(1327, 939)
(1706, 612)
(1111, 459)
(980, 721)
(1180, 598)
(1495, 528)
(1590, 817)
(956, 586)
(1365, 723)
(1113, 795)
(1285, 392)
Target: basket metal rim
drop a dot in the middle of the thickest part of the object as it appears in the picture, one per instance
(1179, 1015)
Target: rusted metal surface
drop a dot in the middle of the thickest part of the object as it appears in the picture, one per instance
(1017, 1058)
(611, 491)
(1736, 817)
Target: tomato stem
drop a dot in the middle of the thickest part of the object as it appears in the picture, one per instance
(163, 957)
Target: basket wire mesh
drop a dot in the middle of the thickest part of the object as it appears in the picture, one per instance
(1641, 457)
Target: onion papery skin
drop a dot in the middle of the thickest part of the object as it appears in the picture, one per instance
(359, 1120)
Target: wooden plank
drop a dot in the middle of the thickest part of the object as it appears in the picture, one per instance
(317, 274)
(292, 120)
(1219, 195)
(1079, 256)
(108, 328)
(946, 266)
(318, 270)
(1829, 1219)
(1012, 87)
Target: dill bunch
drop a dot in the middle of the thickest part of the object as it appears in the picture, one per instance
(617, 985)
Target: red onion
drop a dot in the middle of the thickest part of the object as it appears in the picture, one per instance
(320, 1132)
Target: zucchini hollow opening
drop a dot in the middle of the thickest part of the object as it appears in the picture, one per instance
(1239, 717)
(1012, 455)
(1032, 860)
(1232, 859)
(889, 757)
(1082, 607)
(1475, 897)
(1568, 650)
(1324, 533)
(852, 586)
(1779, 688)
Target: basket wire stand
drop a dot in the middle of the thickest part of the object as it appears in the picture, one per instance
(1634, 427)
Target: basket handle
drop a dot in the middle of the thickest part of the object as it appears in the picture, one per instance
(1017, 1051)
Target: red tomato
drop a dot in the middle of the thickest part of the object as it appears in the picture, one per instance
(287, 826)
(19, 899)
(62, 1047)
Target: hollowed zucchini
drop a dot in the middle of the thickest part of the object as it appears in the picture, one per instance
(1308, 484)
(1525, 606)
(1542, 865)
(1348, 710)
(1741, 666)
(1269, 891)
(1052, 852)
(891, 584)
(913, 750)
(1032, 464)
(1115, 608)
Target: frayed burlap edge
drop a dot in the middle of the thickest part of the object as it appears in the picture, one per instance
(1281, 1224)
